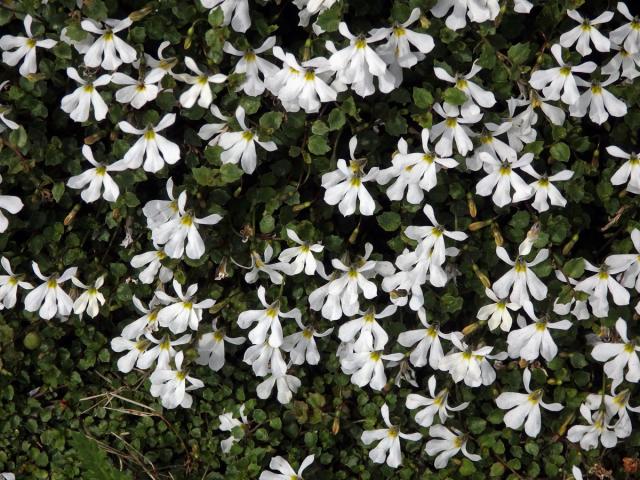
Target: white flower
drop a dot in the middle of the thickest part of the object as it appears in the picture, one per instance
(136, 92)
(615, 404)
(265, 359)
(367, 368)
(95, 179)
(302, 345)
(145, 324)
(171, 385)
(261, 264)
(396, 52)
(158, 212)
(477, 10)
(253, 66)
(286, 472)
(160, 67)
(183, 311)
(623, 60)
(90, 300)
(308, 8)
(543, 188)
(108, 51)
(153, 261)
(597, 430)
(173, 233)
(78, 103)
(555, 114)
(300, 258)
(520, 280)
(286, 385)
(630, 262)
(4, 110)
(241, 146)
(211, 347)
(9, 285)
(580, 310)
(227, 424)
(502, 177)
(560, 79)
(600, 102)
(200, 89)
(586, 31)
(371, 336)
(618, 356)
(531, 341)
(470, 365)
(268, 321)
(162, 353)
(17, 48)
(597, 285)
(48, 298)
(11, 204)
(152, 148)
(133, 357)
(236, 12)
(81, 46)
(525, 408)
(428, 346)
(212, 131)
(476, 96)
(345, 186)
(358, 63)
(628, 35)
(453, 128)
(628, 172)
(325, 298)
(446, 444)
(7, 476)
(522, 6)
(498, 311)
(388, 448)
(430, 406)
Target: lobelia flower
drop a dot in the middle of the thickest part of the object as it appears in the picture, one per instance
(622, 64)
(12, 205)
(200, 89)
(227, 424)
(427, 343)
(160, 66)
(525, 408)
(300, 258)
(97, 179)
(171, 385)
(309, 8)
(345, 186)
(629, 172)
(615, 404)
(9, 285)
(430, 406)
(158, 212)
(600, 102)
(5, 122)
(476, 96)
(534, 340)
(498, 311)
(367, 368)
(48, 298)
(133, 357)
(597, 430)
(268, 321)
(502, 177)
(241, 146)
(265, 359)
(153, 262)
(17, 48)
(493, 146)
(146, 324)
(468, 365)
(325, 298)
(628, 35)
(78, 103)
(286, 385)
(586, 31)
(453, 128)
(81, 46)
(544, 189)
(477, 10)
(522, 6)
(173, 233)
(358, 63)
(184, 311)
(162, 353)
(253, 66)
(236, 13)
(90, 300)
(261, 264)
(618, 356)
(211, 347)
(446, 444)
(371, 336)
(597, 285)
(388, 448)
(135, 92)
(630, 262)
(520, 280)
(212, 131)
(152, 148)
(301, 346)
(285, 469)
(555, 114)
(560, 79)
(109, 51)
(396, 52)
(580, 310)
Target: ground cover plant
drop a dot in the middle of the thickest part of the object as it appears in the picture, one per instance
(319, 239)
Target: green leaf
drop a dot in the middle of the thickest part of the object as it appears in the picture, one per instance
(519, 53)
(467, 468)
(451, 303)
(560, 151)
(230, 173)
(58, 191)
(267, 224)
(204, 176)
(318, 145)
(271, 121)
(497, 469)
(454, 96)
(93, 460)
(336, 119)
(422, 97)
(574, 267)
(389, 221)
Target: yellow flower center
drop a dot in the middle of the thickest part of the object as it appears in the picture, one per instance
(293, 71)
(505, 170)
(596, 89)
(535, 396)
(428, 157)
(520, 266)
(393, 432)
(467, 355)
(452, 122)
(250, 57)
(149, 135)
(356, 182)
(88, 88)
(31, 43)
(203, 79)
(141, 87)
(603, 275)
(181, 375)
(375, 356)
(353, 273)
(188, 305)
(565, 71)
(247, 136)
(13, 281)
(218, 336)
(101, 170)
(543, 182)
(432, 332)
(361, 43)
(52, 283)
(307, 333)
(461, 84)
(272, 312)
(187, 220)
(541, 326)
(108, 36)
(486, 139)
(629, 348)
(161, 255)
(309, 75)
(369, 318)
